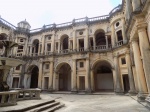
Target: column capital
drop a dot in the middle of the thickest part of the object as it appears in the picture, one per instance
(141, 27)
(127, 52)
(116, 55)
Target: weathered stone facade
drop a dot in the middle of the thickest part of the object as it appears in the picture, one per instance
(105, 53)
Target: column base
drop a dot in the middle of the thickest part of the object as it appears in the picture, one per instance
(132, 92)
(50, 89)
(88, 91)
(119, 92)
(74, 91)
(148, 101)
(142, 96)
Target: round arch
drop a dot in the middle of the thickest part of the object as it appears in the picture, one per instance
(102, 60)
(3, 36)
(64, 39)
(63, 80)
(102, 77)
(33, 71)
(35, 47)
(98, 30)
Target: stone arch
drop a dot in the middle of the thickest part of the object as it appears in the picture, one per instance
(63, 77)
(35, 46)
(102, 75)
(64, 40)
(33, 71)
(57, 67)
(100, 37)
(3, 36)
(100, 60)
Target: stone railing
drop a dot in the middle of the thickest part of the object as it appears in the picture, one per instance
(65, 51)
(81, 49)
(8, 98)
(100, 47)
(119, 43)
(48, 53)
(99, 18)
(34, 54)
(7, 23)
(19, 54)
(28, 94)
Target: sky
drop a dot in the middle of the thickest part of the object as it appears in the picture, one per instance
(44, 12)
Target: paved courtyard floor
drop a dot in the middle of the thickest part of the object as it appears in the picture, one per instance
(99, 103)
(87, 103)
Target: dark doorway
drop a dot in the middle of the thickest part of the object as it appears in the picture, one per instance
(126, 83)
(65, 78)
(81, 83)
(103, 77)
(34, 77)
(15, 82)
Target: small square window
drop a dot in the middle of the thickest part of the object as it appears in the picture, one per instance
(18, 67)
(123, 61)
(46, 66)
(21, 40)
(81, 64)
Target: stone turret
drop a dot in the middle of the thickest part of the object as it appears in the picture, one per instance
(24, 26)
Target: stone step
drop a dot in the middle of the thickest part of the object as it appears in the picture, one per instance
(54, 108)
(32, 107)
(44, 107)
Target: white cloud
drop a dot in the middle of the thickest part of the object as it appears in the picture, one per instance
(40, 12)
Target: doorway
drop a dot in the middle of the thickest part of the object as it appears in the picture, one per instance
(126, 83)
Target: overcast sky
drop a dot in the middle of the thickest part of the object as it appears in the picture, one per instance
(40, 12)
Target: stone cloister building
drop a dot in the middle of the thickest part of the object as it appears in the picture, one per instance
(105, 53)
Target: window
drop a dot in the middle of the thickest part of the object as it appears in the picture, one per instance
(46, 66)
(21, 40)
(117, 24)
(48, 37)
(123, 61)
(18, 67)
(81, 64)
(81, 33)
(20, 48)
(48, 47)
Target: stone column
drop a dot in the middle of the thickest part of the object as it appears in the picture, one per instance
(139, 70)
(86, 47)
(53, 43)
(113, 35)
(51, 76)
(123, 31)
(129, 8)
(74, 76)
(26, 47)
(136, 4)
(130, 74)
(94, 42)
(31, 50)
(39, 50)
(74, 40)
(145, 52)
(43, 44)
(87, 81)
(40, 74)
(106, 42)
(92, 80)
(118, 79)
(59, 47)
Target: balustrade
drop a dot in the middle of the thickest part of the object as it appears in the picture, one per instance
(101, 47)
(8, 98)
(119, 43)
(65, 51)
(26, 94)
(48, 53)
(81, 49)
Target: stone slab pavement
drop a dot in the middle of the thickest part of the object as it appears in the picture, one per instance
(99, 103)
(87, 103)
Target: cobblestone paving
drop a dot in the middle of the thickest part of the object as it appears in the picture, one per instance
(98, 103)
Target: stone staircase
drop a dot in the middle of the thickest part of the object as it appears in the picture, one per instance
(48, 106)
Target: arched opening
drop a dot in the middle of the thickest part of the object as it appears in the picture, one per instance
(64, 77)
(35, 47)
(2, 37)
(103, 77)
(119, 35)
(34, 76)
(100, 38)
(65, 42)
